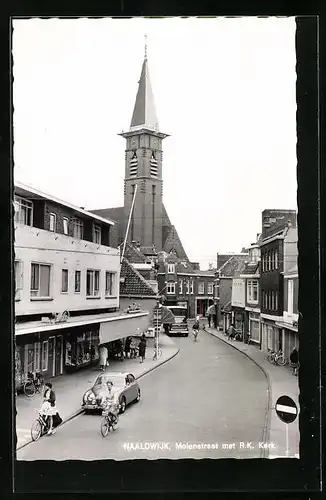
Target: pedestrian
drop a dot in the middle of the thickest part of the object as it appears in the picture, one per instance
(48, 407)
(127, 347)
(195, 328)
(294, 358)
(142, 348)
(231, 332)
(103, 357)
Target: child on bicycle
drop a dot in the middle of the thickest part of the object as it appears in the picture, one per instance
(195, 328)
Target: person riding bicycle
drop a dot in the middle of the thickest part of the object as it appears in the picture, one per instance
(108, 398)
(195, 328)
(48, 407)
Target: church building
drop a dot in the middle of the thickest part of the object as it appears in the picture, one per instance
(150, 226)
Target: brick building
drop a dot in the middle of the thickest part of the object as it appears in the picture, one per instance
(279, 254)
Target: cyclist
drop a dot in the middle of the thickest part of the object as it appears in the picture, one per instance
(195, 328)
(48, 407)
(108, 398)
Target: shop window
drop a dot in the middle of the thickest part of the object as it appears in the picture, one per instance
(92, 283)
(64, 281)
(201, 287)
(40, 280)
(45, 356)
(77, 281)
(23, 211)
(109, 283)
(210, 288)
(170, 288)
(97, 234)
(53, 222)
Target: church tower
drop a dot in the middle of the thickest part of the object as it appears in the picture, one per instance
(143, 167)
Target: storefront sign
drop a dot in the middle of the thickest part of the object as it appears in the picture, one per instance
(238, 293)
(121, 328)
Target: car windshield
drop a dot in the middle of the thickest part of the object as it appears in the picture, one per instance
(117, 380)
(178, 312)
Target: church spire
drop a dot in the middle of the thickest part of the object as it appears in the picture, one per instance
(144, 115)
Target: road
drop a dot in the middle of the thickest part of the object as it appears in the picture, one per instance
(209, 394)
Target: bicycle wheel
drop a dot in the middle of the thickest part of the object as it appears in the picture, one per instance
(36, 430)
(29, 388)
(281, 360)
(104, 426)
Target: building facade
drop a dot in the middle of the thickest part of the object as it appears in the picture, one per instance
(289, 325)
(66, 285)
(251, 276)
(278, 248)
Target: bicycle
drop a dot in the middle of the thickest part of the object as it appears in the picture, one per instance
(195, 334)
(40, 426)
(157, 353)
(110, 418)
(33, 384)
(276, 358)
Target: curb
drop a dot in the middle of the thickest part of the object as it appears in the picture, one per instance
(78, 412)
(268, 415)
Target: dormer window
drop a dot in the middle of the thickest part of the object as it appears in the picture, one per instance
(97, 234)
(171, 268)
(78, 228)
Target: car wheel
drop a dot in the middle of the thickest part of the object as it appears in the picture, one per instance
(123, 405)
(138, 396)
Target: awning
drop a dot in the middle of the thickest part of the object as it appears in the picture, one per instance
(121, 328)
(286, 326)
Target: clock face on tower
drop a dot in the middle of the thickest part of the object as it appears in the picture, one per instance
(154, 143)
(133, 143)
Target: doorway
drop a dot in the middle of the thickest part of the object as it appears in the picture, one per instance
(51, 357)
(58, 355)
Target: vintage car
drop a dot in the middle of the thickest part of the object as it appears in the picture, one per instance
(125, 386)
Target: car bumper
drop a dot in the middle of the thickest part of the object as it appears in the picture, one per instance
(90, 406)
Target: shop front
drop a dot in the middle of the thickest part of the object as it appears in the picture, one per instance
(272, 336)
(290, 338)
(239, 319)
(81, 347)
(254, 328)
(202, 304)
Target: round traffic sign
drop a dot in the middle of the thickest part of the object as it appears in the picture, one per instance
(286, 409)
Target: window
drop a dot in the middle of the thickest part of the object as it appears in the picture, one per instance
(191, 286)
(276, 301)
(18, 277)
(45, 355)
(77, 281)
(40, 280)
(97, 234)
(64, 281)
(53, 222)
(171, 288)
(109, 283)
(77, 229)
(269, 261)
(23, 211)
(171, 268)
(187, 287)
(252, 291)
(272, 300)
(180, 287)
(276, 259)
(65, 225)
(210, 288)
(92, 283)
(273, 260)
(201, 287)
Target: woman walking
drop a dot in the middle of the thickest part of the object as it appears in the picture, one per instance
(142, 348)
(103, 357)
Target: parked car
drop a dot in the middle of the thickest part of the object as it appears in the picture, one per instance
(124, 385)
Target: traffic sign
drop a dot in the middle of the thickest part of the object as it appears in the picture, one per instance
(286, 409)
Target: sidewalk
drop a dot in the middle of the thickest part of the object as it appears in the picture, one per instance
(70, 388)
(280, 382)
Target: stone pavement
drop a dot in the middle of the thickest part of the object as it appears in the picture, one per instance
(70, 388)
(280, 382)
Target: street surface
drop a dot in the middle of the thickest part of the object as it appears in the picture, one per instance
(209, 394)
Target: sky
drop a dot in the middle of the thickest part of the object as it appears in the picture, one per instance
(224, 90)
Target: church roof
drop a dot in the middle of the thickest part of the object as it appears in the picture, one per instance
(144, 115)
(116, 213)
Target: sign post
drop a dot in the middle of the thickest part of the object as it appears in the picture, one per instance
(287, 411)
